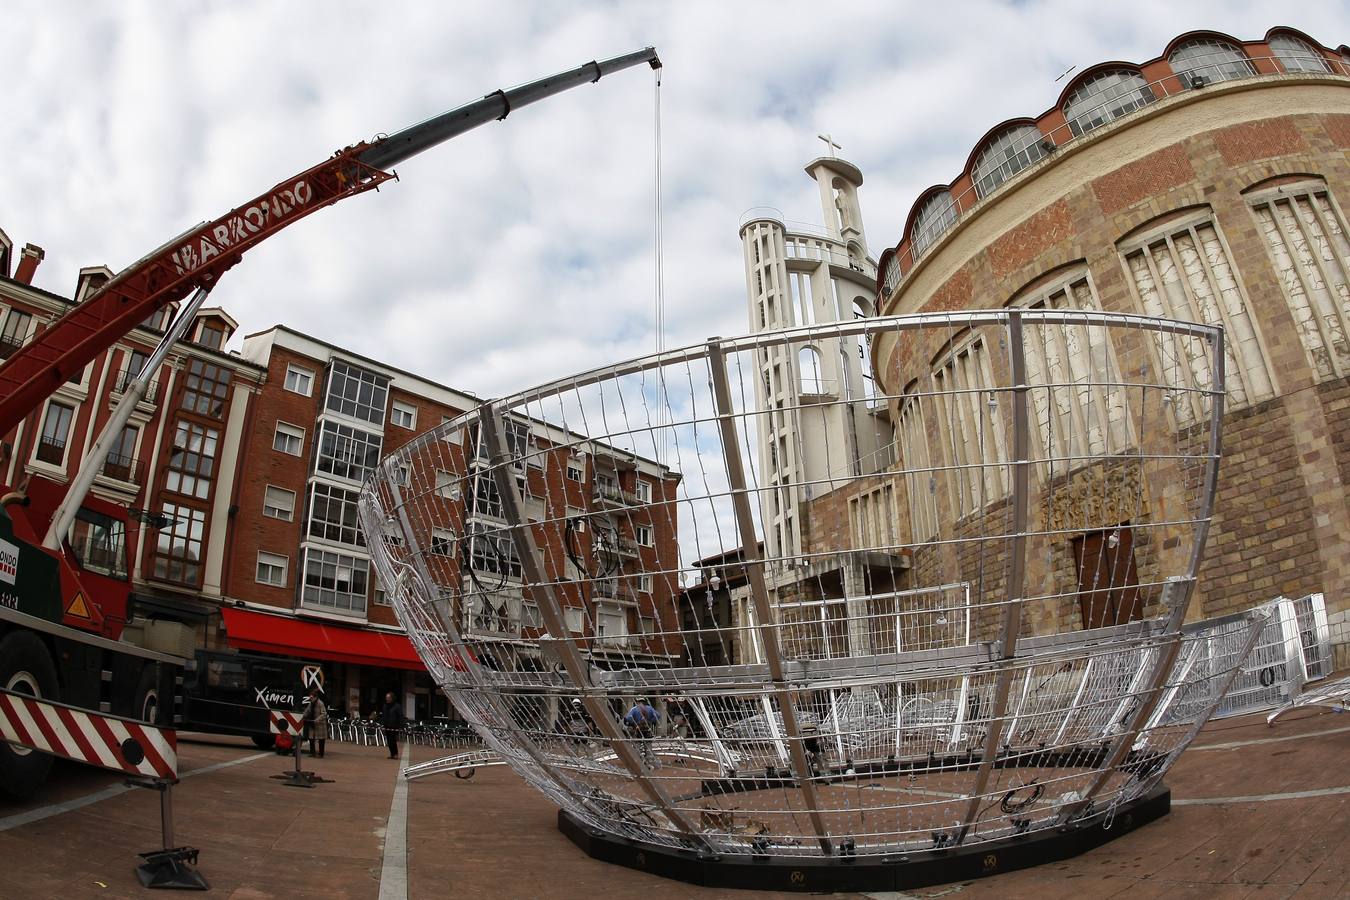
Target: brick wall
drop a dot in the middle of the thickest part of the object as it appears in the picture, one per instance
(1281, 521)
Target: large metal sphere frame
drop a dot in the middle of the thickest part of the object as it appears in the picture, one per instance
(884, 687)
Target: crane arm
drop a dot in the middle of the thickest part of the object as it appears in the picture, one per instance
(198, 257)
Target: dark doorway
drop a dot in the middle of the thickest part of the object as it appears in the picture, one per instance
(1108, 583)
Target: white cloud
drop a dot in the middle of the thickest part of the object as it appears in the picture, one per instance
(521, 251)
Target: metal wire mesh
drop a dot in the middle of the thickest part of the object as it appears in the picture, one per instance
(956, 607)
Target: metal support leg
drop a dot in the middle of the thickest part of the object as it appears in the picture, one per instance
(170, 867)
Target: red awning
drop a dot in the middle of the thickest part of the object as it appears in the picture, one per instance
(288, 636)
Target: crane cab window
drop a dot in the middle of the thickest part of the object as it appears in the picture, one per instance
(100, 543)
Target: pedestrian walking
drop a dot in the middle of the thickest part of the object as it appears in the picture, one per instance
(391, 720)
(316, 722)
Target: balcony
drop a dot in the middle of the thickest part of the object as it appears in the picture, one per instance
(614, 496)
(51, 451)
(121, 468)
(8, 347)
(124, 379)
(629, 547)
(613, 590)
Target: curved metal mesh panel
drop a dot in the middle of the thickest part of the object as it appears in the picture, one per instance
(865, 621)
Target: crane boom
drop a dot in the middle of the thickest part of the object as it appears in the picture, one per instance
(201, 255)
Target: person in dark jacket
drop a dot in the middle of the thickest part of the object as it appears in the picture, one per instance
(316, 721)
(392, 721)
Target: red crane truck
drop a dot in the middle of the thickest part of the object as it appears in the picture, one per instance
(64, 606)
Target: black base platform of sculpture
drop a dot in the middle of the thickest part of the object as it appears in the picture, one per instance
(900, 871)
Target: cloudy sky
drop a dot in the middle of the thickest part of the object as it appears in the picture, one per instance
(523, 250)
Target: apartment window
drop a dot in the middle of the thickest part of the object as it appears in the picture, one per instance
(119, 463)
(335, 582)
(1105, 97)
(442, 542)
(575, 619)
(529, 616)
(920, 481)
(289, 439)
(178, 549)
(192, 461)
(51, 446)
(484, 498)
(644, 491)
(971, 421)
(348, 452)
(279, 503)
(357, 393)
(14, 333)
(937, 215)
(205, 388)
(403, 415)
(1208, 61)
(611, 625)
(271, 569)
(1306, 237)
(333, 515)
(1081, 411)
(1009, 152)
(136, 361)
(644, 583)
(575, 472)
(212, 336)
(157, 319)
(446, 487)
(643, 534)
(1297, 55)
(1185, 273)
(492, 550)
(381, 596)
(299, 380)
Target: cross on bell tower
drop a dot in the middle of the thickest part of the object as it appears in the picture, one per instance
(829, 142)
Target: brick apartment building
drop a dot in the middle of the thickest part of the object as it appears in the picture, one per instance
(243, 468)
(176, 457)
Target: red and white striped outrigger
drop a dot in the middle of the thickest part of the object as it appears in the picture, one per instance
(147, 753)
(110, 742)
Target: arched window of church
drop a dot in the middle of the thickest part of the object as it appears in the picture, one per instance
(1210, 61)
(1105, 97)
(1297, 55)
(920, 481)
(938, 214)
(1082, 413)
(1005, 154)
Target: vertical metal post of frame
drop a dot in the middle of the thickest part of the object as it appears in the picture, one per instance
(1017, 566)
(1177, 592)
(493, 429)
(759, 592)
(470, 661)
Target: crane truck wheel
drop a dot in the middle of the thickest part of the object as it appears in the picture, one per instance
(147, 696)
(25, 668)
